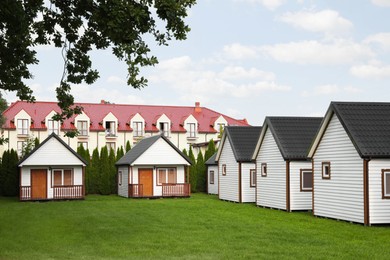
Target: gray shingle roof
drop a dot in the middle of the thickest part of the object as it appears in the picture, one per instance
(144, 145)
(211, 160)
(243, 140)
(293, 135)
(368, 126)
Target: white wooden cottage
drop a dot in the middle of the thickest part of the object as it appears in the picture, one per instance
(284, 173)
(52, 171)
(212, 175)
(236, 170)
(351, 159)
(155, 167)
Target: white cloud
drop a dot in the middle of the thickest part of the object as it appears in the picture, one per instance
(314, 52)
(238, 51)
(325, 21)
(269, 4)
(382, 39)
(116, 80)
(370, 71)
(385, 3)
(330, 89)
(236, 72)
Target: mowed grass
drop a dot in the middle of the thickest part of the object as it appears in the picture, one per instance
(200, 227)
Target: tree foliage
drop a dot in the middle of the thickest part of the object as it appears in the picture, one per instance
(200, 173)
(193, 176)
(128, 146)
(77, 27)
(9, 174)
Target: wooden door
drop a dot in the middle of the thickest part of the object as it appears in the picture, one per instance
(145, 177)
(39, 184)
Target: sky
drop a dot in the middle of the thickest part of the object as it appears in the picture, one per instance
(251, 59)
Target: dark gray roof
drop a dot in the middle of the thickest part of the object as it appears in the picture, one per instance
(144, 145)
(53, 135)
(211, 160)
(293, 135)
(243, 140)
(368, 126)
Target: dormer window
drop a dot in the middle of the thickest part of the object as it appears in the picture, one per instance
(22, 125)
(82, 128)
(164, 129)
(138, 129)
(53, 126)
(191, 133)
(110, 128)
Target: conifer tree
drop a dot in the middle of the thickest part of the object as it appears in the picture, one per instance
(119, 153)
(36, 142)
(112, 172)
(85, 155)
(10, 184)
(185, 151)
(210, 150)
(128, 146)
(200, 173)
(104, 172)
(192, 170)
(93, 173)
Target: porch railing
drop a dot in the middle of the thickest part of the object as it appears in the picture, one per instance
(25, 192)
(136, 190)
(176, 190)
(68, 192)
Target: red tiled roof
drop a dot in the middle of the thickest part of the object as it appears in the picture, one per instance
(38, 111)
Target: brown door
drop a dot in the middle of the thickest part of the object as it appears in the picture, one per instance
(145, 177)
(39, 184)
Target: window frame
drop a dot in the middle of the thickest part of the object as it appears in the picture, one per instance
(302, 173)
(51, 128)
(223, 169)
(166, 175)
(81, 128)
(110, 145)
(23, 127)
(163, 131)
(211, 180)
(120, 178)
(264, 170)
(138, 129)
(252, 177)
(111, 129)
(19, 150)
(62, 177)
(325, 165)
(191, 132)
(385, 192)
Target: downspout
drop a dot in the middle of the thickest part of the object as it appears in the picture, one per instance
(312, 192)
(366, 192)
(288, 186)
(239, 182)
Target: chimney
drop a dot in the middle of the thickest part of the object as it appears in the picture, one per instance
(102, 101)
(198, 109)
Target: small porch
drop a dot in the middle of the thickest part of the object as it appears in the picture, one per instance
(59, 193)
(168, 190)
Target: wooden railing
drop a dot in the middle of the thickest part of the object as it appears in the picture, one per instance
(176, 190)
(135, 190)
(25, 192)
(68, 192)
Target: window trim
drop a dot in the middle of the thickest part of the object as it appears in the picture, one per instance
(82, 131)
(24, 129)
(385, 194)
(252, 177)
(62, 177)
(120, 178)
(323, 167)
(51, 126)
(112, 130)
(158, 182)
(191, 132)
(138, 129)
(211, 180)
(109, 144)
(264, 170)
(302, 172)
(223, 169)
(163, 131)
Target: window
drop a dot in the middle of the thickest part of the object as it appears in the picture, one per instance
(62, 177)
(53, 126)
(120, 177)
(220, 127)
(253, 178)
(386, 184)
(82, 127)
(110, 145)
(263, 170)
(22, 125)
(138, 129)
(211, 177)
(166, 175)
(223, 169)
(326, 170)
(191, 130)
(21, 145)
(306, 180)
(164, 129)
(110, 128)
(83, 144)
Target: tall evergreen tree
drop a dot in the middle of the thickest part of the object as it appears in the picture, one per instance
(200, 173)
(119, 153)
(112, 172)
(128, 146)
(104, 172)
(210, 150)
(10, 184)
(85, 155)
(94, 173)
(192, 170)
(185, 151)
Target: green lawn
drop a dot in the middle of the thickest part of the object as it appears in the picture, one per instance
(201, 227)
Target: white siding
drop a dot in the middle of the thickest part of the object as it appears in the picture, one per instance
(299, 200)
(341, 196)
(228, 184)
(379, 208)
(160, 153)
(52, 152)
(248, 192)
(123, 189)
(271, 190)
(212, 188)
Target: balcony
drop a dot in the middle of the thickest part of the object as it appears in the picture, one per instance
(168, 190)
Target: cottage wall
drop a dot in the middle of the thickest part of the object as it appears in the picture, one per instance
(248, 192)
(299, 200)
(123, 189)
(212, 188)
(341, 196)
(228, 184)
